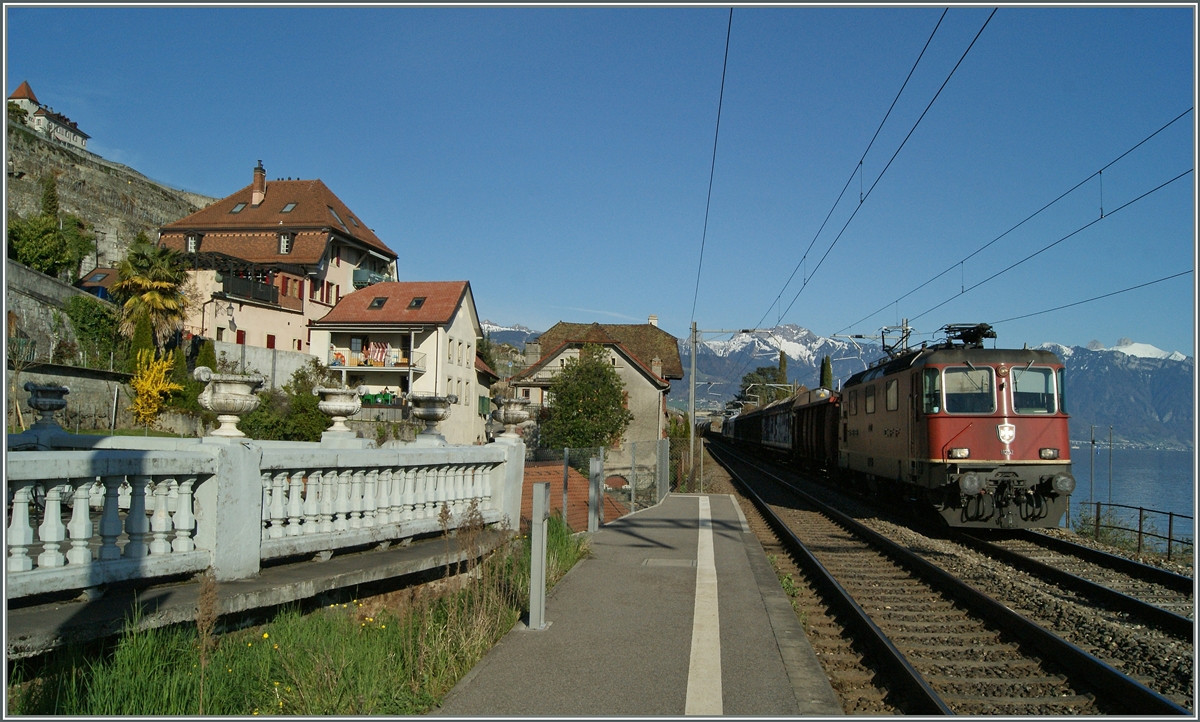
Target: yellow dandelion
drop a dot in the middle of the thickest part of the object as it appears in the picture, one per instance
(276, 684)
(265, 635)
(249, 644)
(276, 647)
(383, 626)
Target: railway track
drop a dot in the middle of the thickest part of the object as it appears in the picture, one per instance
(943, 646)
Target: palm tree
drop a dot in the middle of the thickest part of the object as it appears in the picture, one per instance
(152, 281)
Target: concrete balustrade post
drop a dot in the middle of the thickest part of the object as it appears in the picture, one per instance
(80, 527)
(228, 509)
(160, 521)
(52, 532)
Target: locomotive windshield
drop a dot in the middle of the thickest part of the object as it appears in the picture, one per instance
(1033, 390)
(969, 390)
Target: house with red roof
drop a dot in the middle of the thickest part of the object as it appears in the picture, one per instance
(412, 337)
(44, 120)
(645, 357)
(273, 256)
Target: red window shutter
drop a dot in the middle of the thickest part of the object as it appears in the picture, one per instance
(300, 289)
(241, 337)
(270, 341)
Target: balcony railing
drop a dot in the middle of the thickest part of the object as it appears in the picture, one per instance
(92, 510)
(393, 360)
(251, 289)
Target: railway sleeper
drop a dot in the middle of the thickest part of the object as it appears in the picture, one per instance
(1017, 705)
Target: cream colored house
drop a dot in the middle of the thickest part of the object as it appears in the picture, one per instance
(272, 257)
(418, 337)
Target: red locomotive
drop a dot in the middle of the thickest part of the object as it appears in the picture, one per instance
(980, 434)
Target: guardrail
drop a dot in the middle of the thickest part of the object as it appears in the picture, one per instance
(1146, 537)
(89, 511)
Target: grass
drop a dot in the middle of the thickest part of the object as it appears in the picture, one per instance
(396, 655)
(116, 432)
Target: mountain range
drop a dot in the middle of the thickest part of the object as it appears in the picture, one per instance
(1144, 393)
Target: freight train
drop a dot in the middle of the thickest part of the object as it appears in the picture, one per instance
(979, 435)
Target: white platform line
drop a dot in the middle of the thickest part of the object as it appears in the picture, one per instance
(704, 672)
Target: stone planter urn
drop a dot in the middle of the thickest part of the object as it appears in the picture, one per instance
(431, 410)
(46, 400)
(339, 403)
(229, 396)
(512, 412)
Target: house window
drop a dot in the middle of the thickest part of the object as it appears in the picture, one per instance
(525, 393)
(377, 303)
(238, 208)
(449, 350)
(417, 302)
(354, 221)
(270, 341)
(285, 242)
(335, 215)
(297, 345)
(288, 208)
(356, 344)
(220, 334)
(193, 242)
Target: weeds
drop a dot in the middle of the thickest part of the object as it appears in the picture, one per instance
(394, 655)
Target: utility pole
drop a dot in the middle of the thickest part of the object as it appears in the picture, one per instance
(692, 402)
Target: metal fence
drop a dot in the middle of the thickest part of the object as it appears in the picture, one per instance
(1139, 528)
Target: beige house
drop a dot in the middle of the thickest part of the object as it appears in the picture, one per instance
(644, 356)
(272, 257)
(45, 121)
(418, 337)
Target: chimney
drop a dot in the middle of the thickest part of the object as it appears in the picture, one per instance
(653, 320)
(259, 190)
(656, 363)
(533, 352)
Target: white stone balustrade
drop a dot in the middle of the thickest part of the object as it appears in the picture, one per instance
(127, 508)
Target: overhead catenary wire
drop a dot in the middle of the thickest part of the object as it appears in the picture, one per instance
(959, 264)
(1047, 247)
(889, 163)
(712, 169)
(857, 169)
(1094, 298)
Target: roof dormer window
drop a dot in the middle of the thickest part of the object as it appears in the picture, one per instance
(377, 303)
(417, 302)
(339, 218)
(285, 242)
(238, 208)
(193, 242)
(288, 208)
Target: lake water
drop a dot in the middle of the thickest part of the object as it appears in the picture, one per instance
(1162, 480)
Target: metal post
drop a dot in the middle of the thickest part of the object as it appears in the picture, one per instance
(566, 467)
(1096, 534)
(1141, 517)
(702, 466)
(593, 494)
(1092, 469)
(1110, 464)
(664, 467)
(537, 561)
(692, 404)
(633, 478)
(1170, 532)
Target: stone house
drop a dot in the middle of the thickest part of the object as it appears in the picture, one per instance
(411, 336)
(44, 120)
(270, 258)
(645, 357)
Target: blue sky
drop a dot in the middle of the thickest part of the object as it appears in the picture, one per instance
(558, 158)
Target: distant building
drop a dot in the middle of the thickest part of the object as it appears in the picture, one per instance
(645, 357)
(413, 336)
(45, 121)
(272, 257)
(99, 282)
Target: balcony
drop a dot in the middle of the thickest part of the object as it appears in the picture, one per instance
(394, 360)
(250, 289)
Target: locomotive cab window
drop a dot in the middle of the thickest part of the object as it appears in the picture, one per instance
(1033, 390)
(931, 391)
(1062, 397)
(891, 394)
(970, 390)
(869, 400)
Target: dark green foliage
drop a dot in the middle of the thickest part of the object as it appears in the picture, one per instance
(827, 373)
(16, 114)
(487, 352)
(50, 197)
(758, 378)
(291, 414)
(588, 407)
(143, 338)
(269, 419)
(96, 324)
(44, 246)
(186, 398)
(207, 355)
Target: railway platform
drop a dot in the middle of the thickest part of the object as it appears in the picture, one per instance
(676, 612)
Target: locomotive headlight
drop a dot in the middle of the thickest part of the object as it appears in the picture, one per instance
(1063, 483)
(970, 484)
(1048, 453)
(960, 453)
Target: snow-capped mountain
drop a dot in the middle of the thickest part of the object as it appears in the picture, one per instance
(1145, 350)
(515, 335)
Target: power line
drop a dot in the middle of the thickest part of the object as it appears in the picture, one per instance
(858, 166)
(1055, 243)
(1095, 298)
(889, 163)
(713, 167)
(1018, 225)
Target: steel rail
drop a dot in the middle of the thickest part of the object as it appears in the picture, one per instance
(1134, 696)
(925, 700)
(1165, 619)
(1145, 572)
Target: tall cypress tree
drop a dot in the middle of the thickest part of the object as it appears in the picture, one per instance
(50, 197)
(826, 373)
(143, 338)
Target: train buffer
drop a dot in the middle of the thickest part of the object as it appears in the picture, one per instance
(677, 611)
